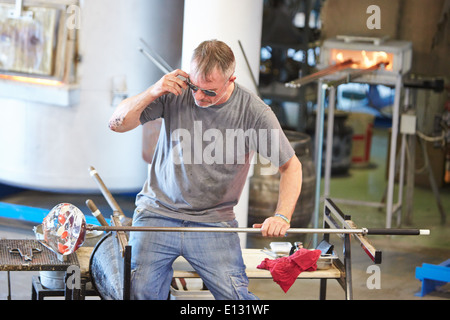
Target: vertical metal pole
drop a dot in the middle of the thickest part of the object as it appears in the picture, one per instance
(410, 171)
(393, 149)
(402, 166)
(401, 180)
(329, 141)
(348, 268)
(8, 276)
(326, 237)
(127, 273)
(319, 107)
(318, 148)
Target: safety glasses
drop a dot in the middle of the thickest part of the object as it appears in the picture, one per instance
(210, 93)
(194, 88)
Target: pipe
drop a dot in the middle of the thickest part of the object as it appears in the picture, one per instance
(319, 74)
(108, 196)
(356, 74)
(96, 212)
(258, 230)
(249, 69)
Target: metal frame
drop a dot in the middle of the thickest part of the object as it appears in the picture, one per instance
(125, 250)
(334, 218)
(331, 85)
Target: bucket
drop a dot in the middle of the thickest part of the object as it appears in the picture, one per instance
(56, 279)
(264, 190)
(362, 124)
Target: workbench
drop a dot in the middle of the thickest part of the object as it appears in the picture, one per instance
(340, 270)
(45, 260)
(254, 257)
(116, 243)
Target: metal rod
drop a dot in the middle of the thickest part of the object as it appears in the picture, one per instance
(320, 115)
(329, 141)
(349, 77)
(156, 58)
(393, 151)
(96, 212)
(108, 196)
(319, 74)
(250, 69)
(156, 62)
(258, 230)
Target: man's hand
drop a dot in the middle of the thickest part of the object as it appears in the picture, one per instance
(126, 116)
(170, 83)
(273, 227)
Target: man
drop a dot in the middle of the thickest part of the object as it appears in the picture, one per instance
(199, 170)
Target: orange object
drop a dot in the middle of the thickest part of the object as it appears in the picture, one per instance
(62, 248)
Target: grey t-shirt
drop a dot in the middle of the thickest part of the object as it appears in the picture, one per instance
(203, 155)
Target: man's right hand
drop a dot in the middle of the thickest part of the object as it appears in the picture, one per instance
(126, 116)
(170, 83)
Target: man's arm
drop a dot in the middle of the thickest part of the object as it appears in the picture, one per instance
(290, 188)
(127, 114)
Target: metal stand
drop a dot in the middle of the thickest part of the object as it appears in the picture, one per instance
(334, 218)
(390, 207)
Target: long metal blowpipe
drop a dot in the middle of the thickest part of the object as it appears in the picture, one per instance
(363, 231)
(320, 74)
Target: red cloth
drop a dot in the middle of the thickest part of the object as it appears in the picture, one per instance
(285, 270)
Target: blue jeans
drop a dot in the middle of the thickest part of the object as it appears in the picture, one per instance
(215, 256)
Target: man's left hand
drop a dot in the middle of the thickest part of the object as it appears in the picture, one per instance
(273, 227)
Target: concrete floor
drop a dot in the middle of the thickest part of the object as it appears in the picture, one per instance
(401, 254)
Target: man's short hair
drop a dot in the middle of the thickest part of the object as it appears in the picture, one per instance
(213, 54)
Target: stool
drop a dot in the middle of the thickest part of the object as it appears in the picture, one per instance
(38, 292)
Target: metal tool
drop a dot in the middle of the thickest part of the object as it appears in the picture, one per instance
(25, 257)
(96, 212)
(155, 58)
(350, 76)
(117, 211)
(121, 229)
(18, 251)
(269, 252)
(33, 251)
(106, 193)
(320, 74)
(252, 76)
(158, 60)
(363, 231)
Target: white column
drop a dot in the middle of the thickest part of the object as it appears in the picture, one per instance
(230, 21)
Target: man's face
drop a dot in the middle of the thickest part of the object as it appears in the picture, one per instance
(216, 82)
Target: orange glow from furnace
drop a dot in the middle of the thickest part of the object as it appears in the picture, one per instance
(46, 82)
(362, 59)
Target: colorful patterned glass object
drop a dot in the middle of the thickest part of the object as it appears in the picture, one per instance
(64, 228)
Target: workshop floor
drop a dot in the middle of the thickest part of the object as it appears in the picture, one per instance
(401, 254)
